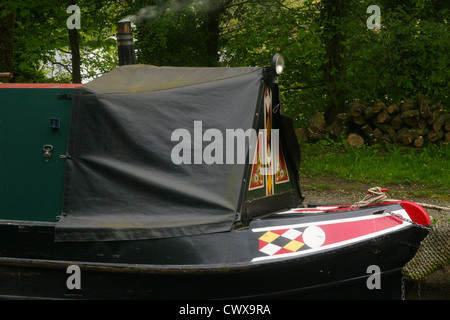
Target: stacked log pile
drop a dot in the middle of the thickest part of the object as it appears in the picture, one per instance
(409, 122)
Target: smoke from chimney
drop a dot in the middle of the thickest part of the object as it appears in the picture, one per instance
(144, 14)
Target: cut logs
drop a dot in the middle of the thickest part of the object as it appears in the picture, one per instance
(411, 122)
(355, 140)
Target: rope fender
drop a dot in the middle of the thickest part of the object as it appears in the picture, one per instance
(432, 255)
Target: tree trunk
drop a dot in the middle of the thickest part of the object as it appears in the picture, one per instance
(332, 12)
(6, 42)
(76, 59)
(214, 12)
(74, 42)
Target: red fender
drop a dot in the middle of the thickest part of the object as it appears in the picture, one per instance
(416, 212)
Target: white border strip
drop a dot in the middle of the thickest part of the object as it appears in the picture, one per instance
(400, 212)
(317, 209)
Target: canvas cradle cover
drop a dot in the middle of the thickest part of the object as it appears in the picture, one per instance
(121, 182)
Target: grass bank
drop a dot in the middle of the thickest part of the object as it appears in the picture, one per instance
(428, 167)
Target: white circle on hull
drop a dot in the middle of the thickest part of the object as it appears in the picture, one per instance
(313, 237)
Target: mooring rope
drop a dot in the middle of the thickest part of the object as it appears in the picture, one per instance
(377, 195)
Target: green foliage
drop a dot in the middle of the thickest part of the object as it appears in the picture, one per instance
(257, 30)
(408, 55)
(175, 39)
(376, 164)
(41, 42)
(177, 32)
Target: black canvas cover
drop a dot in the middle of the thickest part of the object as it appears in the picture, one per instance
(121, 182)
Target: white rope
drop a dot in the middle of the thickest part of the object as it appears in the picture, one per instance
(376, 195)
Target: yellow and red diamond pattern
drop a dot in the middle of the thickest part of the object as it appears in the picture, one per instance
(280, 241)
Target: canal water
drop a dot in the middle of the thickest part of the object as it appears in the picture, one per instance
(418, 292)
(434, 287)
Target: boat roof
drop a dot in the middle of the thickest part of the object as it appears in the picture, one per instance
(121, 182)
(147, 78)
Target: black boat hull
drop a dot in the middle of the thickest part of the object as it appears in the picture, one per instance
(217, 266)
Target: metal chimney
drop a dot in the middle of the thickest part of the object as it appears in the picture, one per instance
(125, 43)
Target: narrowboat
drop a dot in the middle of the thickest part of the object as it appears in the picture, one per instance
(179, 183)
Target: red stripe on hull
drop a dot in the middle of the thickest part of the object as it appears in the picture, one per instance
(344, 231)
(40, 85)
